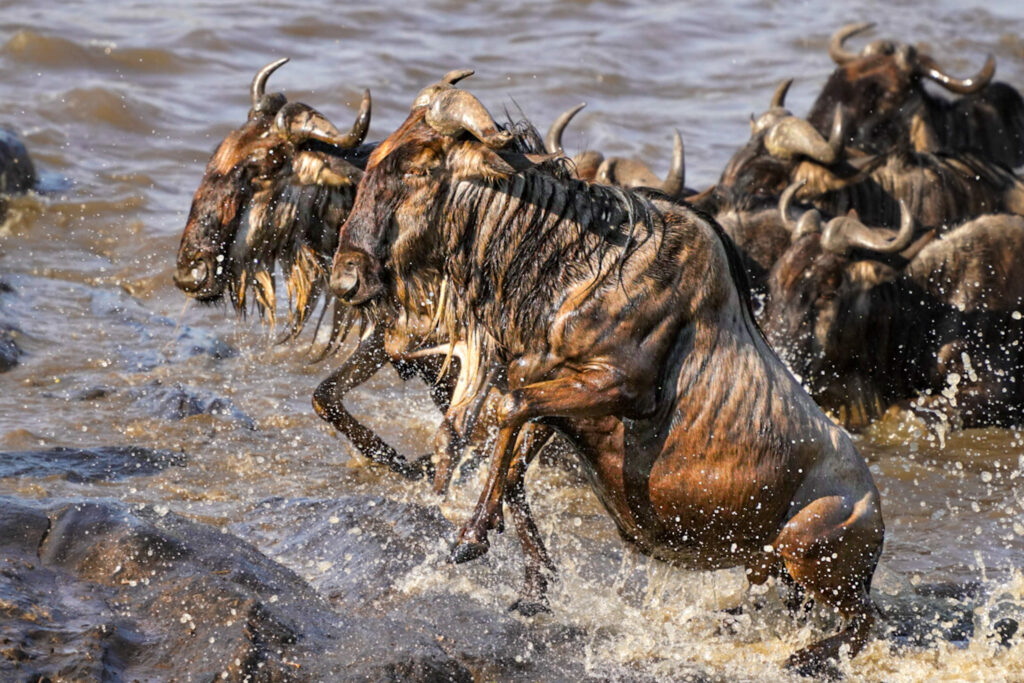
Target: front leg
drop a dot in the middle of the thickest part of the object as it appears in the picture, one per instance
(367, 358)
(597, 391)
(538, 565)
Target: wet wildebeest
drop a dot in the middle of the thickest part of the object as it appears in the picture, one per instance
(882, 90)
(939, 189)
(592, 166)
(869, 319)
(620, 319)
(274, 192)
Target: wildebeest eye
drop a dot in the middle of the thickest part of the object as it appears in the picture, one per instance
(415, 173)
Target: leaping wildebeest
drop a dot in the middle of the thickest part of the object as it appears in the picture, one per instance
(621, 319)
(275, 191)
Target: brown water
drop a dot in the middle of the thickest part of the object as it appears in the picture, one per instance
(128, 101)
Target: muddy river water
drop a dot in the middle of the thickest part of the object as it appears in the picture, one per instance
(121, 105)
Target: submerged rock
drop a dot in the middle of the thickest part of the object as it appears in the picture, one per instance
(178, 401)
(102, 463)
(9, 350)
(98, 591)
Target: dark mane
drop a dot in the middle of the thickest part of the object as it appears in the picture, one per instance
(573, 231)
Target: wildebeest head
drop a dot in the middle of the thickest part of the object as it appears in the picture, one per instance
(781, 149)
(272, 193)
(448, 137)
(827, 309)
(592, 166)
(881, 89)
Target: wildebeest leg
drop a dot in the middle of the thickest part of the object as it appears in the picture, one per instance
(368, 357)
(594, 392)
(533, 597)
(456, 430)
(831, 548)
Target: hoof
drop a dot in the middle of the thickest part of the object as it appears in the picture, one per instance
(528, 608)
(808, 665)
(466, 551)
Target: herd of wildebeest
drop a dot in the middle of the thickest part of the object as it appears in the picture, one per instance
(683, 344)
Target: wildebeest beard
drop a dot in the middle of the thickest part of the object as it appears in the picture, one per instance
(293, 228)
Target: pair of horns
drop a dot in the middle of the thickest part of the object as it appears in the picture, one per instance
(845, 233)
(674, 182)
(924, 65)
(791, 136)
(450, 111)
(300, 122)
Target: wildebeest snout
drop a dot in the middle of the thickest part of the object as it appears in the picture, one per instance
(354, 278)
(196, 276)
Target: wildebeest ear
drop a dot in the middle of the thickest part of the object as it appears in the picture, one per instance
(478, 161)
(866, 274)
(312, 168)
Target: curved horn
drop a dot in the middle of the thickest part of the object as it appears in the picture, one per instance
(785, 199)
(452, 111)
(675, 181)
(553, 140)
(839, 54)
(845, 233)
(606, 172)
(360, 126)
(961, 86)
(809, 221)
(259, 82)
(299, 122)
(779, 96)
(456, 75)
(793, 136)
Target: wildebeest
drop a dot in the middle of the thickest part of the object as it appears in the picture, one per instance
(592, 166)
(267, 197)
(867, 319)
(619, 318)
(274, 192)
(939, 189)
(882, 90)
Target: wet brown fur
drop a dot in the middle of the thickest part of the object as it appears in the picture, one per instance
(864, 334)
(618, 320)
(890, 109)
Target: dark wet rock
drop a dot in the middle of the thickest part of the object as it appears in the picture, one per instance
(17, 172)
(9, 350)
(1004, 630)
(103, 463)
(178, 401)
(98, 591)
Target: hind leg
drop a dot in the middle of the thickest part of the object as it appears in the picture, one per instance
(831, 548)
